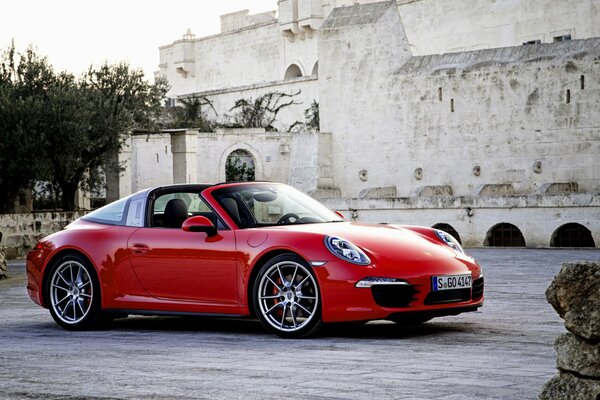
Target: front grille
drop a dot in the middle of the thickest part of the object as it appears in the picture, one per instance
(448, 296)
(477, 292)
(392, 295)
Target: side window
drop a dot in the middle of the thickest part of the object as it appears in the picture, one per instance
(111, 214)
(171, 209)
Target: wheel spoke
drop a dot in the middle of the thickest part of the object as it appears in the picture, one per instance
(85, 295)
(301, 296)
(294, 276)
(273, 282)
(80, 307)
(54, 285)
(304, 308)
(60, 275)
(283, 314)
(64, 310)
(270, 297)
(302, 282)
(63, 299)
(78, 278)
(74, 310)
(84, 284)
(272, 308)
(293, 317)
(71, 270)
(283, 280)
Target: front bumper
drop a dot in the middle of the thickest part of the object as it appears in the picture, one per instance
(409, 293)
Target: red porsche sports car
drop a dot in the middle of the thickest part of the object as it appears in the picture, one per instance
(247, 249)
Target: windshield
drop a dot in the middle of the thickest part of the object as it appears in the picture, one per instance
(267, 205)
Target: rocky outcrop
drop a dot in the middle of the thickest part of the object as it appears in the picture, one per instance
(3, 270)
(575, 295)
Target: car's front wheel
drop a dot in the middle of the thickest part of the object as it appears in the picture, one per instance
(286, 297)
(74, 294)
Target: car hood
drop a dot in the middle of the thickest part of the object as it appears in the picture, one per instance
(381, 241)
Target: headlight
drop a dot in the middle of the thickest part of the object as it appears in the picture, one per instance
(450, 241)
(346, 251)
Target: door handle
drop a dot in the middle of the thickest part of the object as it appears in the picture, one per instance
(140, 248)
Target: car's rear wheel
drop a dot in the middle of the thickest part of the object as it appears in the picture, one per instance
(74, 294)
(286, 297)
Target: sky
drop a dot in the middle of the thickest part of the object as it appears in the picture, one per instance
(74, 34)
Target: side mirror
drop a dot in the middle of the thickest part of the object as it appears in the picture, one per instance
(339, 214)
(199, 224)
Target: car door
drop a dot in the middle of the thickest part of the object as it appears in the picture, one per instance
(174, 264)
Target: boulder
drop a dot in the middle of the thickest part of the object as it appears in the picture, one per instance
(566, 386)
(575, 295)
(3, 269)
(578, 355)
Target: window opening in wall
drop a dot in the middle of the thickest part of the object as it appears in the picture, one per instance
(451, 105)
(562, 38)
(240, 166)
(582, 81)
(572, 235)
(292, 72)
(504, 235)
(568, 96)
(440, 94)
(536, 41)
(448, 229)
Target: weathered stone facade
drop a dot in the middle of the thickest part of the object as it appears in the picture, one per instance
(20, 232)
(575, 296)
(501, 141)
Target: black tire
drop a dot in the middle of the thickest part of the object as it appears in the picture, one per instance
(73, 294)
(288, 281)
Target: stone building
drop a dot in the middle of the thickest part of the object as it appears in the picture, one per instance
(481, 117)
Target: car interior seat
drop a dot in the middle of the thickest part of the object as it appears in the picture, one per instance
(175, 213)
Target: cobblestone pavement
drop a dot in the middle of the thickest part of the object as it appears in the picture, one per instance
(504, 351)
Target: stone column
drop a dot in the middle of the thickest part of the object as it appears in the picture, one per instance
(184, 145)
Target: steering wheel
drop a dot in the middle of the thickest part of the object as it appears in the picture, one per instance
(287, 218)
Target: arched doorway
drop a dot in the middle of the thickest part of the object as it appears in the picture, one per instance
(504, 235)
(292, 72)
(572, 235)
(240, 166)
(448, 229)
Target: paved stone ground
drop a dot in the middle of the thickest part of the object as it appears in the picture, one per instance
(504, 351)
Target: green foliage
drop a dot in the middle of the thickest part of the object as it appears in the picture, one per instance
(61, 128)
(260, 113)
(237, 170)
(189, 113)
(23, 81)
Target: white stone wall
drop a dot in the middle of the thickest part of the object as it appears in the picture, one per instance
(442, 26)
(151, 161)
(537, 217)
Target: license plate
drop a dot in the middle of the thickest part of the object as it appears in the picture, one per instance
(450, 282)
